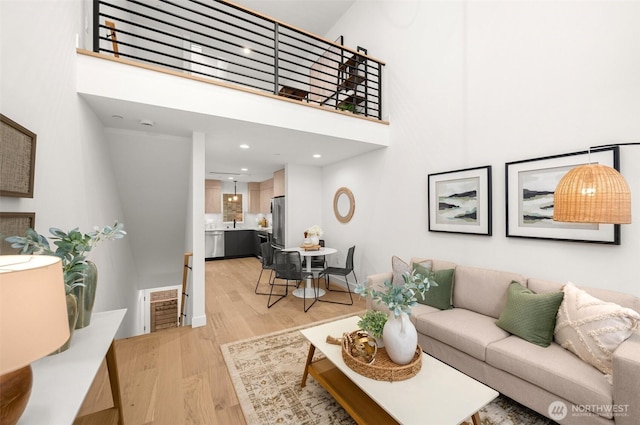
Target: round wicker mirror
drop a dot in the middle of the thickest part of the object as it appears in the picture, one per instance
(344, 205)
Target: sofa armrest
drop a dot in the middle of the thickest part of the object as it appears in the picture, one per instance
(376, 281)
(626, 381)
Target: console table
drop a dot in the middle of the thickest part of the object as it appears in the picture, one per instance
(61, 381)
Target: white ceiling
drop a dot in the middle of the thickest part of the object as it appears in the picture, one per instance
(270, 148)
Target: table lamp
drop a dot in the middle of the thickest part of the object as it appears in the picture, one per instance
(33, 324)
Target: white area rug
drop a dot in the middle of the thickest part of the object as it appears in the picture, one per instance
(266, 372)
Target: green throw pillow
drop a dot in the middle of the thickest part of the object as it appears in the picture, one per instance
(530, 316)
(437, 296)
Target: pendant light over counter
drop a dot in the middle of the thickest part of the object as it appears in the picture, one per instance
(234, 198)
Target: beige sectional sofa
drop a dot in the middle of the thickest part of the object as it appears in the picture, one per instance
(467, 338)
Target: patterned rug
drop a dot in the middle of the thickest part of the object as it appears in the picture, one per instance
(266, 373)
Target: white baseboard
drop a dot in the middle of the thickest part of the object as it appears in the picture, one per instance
(198, 321)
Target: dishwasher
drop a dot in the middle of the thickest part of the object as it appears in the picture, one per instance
(213, 244)
(263, 236)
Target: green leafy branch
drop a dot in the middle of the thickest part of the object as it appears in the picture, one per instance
(400, 298)
(71, 247)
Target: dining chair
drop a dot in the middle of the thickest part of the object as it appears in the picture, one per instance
(340, 271)
(266, 251)
(289, 268)
(318, 263)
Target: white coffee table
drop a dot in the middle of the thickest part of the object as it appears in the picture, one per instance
(438, 394)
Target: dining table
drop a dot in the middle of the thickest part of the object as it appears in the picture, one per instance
(308, 291)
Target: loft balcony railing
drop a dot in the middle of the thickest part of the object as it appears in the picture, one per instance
(226, 43)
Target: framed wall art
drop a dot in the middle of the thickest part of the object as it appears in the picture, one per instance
(460, 201)
(530, 185)
(14, 224)
(18, 158)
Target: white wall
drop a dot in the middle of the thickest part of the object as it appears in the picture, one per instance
(485, 83)
(303, 186)
(194, 240)
(74, 180)
(152, 176)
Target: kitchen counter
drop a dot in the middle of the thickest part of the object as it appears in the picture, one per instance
(235, 243)
(231, 229)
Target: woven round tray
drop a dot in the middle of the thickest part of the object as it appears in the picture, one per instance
(382, 368)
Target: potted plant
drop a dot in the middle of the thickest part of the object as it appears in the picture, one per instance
(399, 334)
(373, 322)
(80, 275)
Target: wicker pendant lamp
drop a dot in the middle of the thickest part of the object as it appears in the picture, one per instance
(592, 193)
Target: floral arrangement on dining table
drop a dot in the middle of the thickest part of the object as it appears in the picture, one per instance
(314, 230)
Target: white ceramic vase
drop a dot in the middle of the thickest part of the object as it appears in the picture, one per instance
(400, 338)
(315, 239)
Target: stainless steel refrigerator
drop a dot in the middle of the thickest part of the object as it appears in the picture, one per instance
(277, 217)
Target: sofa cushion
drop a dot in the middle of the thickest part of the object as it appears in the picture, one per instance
(483, 290)
(399, 267)
(465, 330)
(529, 315)
(437, 296)
(553, 369)
(437, 264)
(591, 328)
(419, 310)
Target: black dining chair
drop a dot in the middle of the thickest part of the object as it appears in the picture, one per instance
(340, 271)
(318, 262)
(289, 268)
(266, 251)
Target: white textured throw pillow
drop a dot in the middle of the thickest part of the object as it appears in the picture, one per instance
(591, 328)
(399, 267)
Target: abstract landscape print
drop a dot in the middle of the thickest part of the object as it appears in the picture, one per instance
(460, 201)
(536, 204)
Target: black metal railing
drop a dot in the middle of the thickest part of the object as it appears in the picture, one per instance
(224, 42)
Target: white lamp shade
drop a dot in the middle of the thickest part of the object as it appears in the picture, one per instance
(33, 309)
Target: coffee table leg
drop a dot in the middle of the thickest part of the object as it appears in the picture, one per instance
(476, 418)
(312, 350)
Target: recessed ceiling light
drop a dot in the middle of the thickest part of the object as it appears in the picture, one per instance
(244, 169)
(117, 117)
(230, 178)
(317, 155)
(147, 122)
(246, 51)
(244, 146)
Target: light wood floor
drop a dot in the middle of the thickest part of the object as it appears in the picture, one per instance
(178, 376)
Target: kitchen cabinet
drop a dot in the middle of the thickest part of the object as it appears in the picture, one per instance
(254, 198)
(266, 193)
(278, 183)
(212, 196)
(239, 243)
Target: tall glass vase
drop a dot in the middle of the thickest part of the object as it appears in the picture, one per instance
(86, 295)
